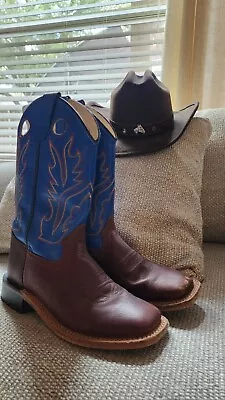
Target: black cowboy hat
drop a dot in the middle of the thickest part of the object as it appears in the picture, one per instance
(142, 116)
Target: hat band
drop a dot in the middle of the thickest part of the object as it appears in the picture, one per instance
(140, 130)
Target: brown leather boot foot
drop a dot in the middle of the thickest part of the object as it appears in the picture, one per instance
(141, 325)
(182, 302)
(165, 287)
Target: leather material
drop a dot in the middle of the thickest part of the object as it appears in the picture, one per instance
(16, 263)
(82, 297)
(102, 207)
(56, 172)
(27, 159)
(60, 188)
(129, 269)
(149, 281)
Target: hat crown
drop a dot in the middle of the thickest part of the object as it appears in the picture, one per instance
(140, 100)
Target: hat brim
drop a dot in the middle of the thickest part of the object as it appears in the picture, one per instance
(130, 146)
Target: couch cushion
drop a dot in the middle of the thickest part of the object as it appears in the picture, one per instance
(213, 184)
(158, 209)
(187, 364)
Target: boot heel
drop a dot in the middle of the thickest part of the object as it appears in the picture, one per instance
(12, 297)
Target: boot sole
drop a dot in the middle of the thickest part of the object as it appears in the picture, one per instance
(180, 304)
(23, 301)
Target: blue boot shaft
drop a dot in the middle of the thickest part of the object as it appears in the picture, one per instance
(56, 159)
(102, 207)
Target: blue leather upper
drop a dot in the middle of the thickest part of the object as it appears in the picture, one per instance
(102, 207)
(55, 174)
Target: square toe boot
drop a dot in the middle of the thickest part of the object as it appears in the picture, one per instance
(163, 286)
(50, 270)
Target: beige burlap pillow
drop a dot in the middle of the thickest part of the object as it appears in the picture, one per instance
(213, 181)
(7, 212)
(158, 210)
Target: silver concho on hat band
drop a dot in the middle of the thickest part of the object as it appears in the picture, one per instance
(139, 129)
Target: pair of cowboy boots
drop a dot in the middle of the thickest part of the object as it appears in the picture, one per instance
(67, 261)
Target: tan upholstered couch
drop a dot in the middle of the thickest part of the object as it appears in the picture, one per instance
(188, 364)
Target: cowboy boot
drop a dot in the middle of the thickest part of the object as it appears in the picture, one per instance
(167, 288)
(49, 268)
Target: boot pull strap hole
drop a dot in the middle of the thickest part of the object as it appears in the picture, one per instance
(25, 128)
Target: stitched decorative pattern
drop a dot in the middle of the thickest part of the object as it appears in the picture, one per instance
(102, 197)
(68, 193)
